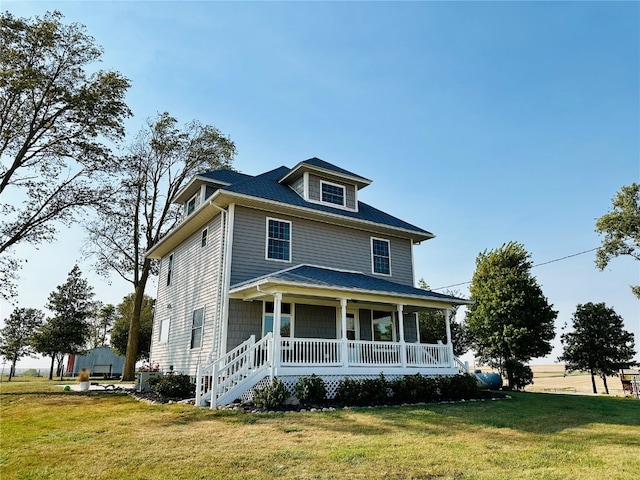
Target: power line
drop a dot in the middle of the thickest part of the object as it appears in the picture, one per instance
(533, 266)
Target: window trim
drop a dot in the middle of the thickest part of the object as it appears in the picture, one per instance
(164, 328)
(333, 204)
(373, 263)
(201, 327)
(267, 238)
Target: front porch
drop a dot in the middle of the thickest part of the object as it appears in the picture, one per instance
(373, 322)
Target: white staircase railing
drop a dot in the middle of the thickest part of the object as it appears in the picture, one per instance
(235, 373)
(463, 367)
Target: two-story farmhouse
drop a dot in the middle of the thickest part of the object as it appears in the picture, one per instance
(287, 274)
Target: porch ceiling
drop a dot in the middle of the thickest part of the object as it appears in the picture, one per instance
(329, 284)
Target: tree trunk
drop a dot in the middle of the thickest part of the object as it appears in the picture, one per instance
(593, 381)
(53, 361)
(604, 380)
(12, 369)
(129, 372)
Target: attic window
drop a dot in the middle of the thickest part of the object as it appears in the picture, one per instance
(332, 193)
(193, 203)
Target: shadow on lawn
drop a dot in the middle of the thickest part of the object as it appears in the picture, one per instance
(526, 412)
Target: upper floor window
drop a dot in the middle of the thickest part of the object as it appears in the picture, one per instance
(278, 240)
(380, 256)
(193, 203)
(170, 269)
(205, 234)
(332, 193)
(196, 327)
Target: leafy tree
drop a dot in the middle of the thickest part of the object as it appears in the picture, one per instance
(67, 332)
(160, 162)
(54, 117)
(120, 331)
(621, 227)
(15, 337)
(432, 324)
(100, 323)
(598, 344)
(510, 318)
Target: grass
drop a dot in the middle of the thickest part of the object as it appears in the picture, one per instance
(51, 434)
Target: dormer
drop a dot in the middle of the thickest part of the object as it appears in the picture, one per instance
(323, 183)
(203, 185)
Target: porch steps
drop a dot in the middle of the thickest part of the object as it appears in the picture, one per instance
(232, 375)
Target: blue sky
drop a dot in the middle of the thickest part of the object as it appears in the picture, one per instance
(483, 122)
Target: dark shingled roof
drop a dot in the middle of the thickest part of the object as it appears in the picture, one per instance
(317, 162)
(225, 176)
(266, 186)
(322, 276)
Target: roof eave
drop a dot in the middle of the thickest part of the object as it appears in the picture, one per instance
(359, 181)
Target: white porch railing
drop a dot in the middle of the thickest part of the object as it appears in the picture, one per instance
(329, 352)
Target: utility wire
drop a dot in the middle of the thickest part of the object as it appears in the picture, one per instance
(533, 266)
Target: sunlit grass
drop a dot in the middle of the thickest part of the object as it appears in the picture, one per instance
(51, 434)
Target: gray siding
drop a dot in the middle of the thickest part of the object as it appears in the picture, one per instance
(298, 186)
(312, 243)
(410, 328)
(314, 321)
(245, 319)
(314, 188)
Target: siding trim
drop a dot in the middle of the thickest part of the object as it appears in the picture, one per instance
(228, 247)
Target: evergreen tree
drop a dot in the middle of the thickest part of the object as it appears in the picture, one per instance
(15, 337)
(598, 343)
(510, 319)
(67, 332)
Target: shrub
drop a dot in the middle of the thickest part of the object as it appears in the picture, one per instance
(173, 386)
(32, 372)
(519, 375)
(368, 391)
(310, 389)
(414, 388)
(458, 387)
(271, 395)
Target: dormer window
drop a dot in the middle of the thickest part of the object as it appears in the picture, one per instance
(193, 203)
(332, 193)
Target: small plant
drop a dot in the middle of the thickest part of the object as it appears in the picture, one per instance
(271, 395)
(310, 389)
(173, 386)
(414, 388)
(148, 367)
(84, 375)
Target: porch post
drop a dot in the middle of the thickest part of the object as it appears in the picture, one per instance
(447, 317)
(343, 324)
(403, 348)
(417, 318)
(277, 315)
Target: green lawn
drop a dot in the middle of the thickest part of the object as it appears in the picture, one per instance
(51, 434)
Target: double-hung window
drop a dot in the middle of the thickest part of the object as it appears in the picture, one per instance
(380, 256)
(278, 240)
(332, 193)
(196, 327)
(203, 239)
(193, 203)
